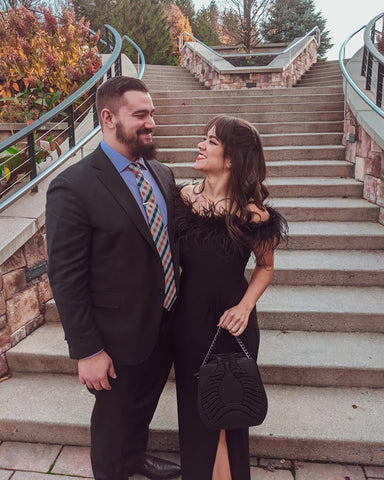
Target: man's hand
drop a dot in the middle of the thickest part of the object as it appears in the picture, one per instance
(94, 371)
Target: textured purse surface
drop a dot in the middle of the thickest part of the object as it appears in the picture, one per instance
(231, 393)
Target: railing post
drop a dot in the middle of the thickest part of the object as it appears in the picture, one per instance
(32, 158)
(379, 90)
(71, 126)
(364, 62)
(118, 67)
(369, 72)
(95, 116)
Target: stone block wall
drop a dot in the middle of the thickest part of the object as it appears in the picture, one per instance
(283, 77)
(24, 291)
(368, 158)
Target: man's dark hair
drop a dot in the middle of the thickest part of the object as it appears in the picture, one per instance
(109, 94)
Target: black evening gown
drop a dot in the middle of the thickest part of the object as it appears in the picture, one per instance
(212, 281)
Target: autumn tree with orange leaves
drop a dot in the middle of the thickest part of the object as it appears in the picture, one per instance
(178, 23)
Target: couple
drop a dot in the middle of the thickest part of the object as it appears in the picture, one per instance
(115, 226)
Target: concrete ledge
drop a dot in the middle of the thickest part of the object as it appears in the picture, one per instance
(369, 120)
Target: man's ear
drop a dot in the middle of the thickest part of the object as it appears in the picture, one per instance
(107, 118)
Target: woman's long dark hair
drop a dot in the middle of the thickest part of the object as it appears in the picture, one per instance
(243, 146)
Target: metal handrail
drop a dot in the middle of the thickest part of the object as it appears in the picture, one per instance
(346, 75)
(255, 54)
(72, 151)
(140, 56)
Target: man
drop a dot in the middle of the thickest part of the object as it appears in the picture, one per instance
(114, 282)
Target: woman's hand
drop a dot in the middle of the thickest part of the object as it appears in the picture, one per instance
(235, 319)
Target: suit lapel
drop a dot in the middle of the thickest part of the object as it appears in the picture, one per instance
(111, 179)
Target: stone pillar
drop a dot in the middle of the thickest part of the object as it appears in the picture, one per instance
(24, 291)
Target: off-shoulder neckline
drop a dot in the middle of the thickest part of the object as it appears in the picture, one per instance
(211, 213)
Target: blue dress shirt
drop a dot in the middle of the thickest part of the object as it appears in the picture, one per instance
(121, 164)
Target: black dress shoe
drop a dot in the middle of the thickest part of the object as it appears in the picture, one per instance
(156, 468)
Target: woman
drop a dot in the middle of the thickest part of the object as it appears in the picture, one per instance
(219, 222)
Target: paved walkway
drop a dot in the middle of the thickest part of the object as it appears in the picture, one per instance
(32, 461)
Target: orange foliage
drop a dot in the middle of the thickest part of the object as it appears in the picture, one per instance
(178, 23)
(43, 56)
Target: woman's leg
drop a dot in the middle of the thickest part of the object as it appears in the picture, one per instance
(221, 469)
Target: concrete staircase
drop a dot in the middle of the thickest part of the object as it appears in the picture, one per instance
(322, 342)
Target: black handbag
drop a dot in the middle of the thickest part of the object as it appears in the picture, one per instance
(230, 391)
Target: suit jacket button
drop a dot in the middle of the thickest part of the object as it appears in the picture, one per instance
(161, 291)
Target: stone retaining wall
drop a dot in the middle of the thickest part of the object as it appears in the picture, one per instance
(368, 158)
(24, 291)
(272, 76)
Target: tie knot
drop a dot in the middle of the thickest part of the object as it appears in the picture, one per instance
(135, 167)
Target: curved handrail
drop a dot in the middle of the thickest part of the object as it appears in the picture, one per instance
(72, 151)
(346, 75)
(226, 55)
(141, 56)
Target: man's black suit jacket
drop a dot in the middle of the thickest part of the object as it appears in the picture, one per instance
(104, 269)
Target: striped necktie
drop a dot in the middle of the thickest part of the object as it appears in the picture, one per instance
(158, 231)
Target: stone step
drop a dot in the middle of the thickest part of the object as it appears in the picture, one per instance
(337, 235)
(322, 209)
(275, 128)
(261, 117)
(286, 357)
(172, 84)
(300, 186)
(332, 168)
(322, 308)
(322, 358)
(308, 308)
(307, 209)
(336, 424)
(236, 109)
(275, 140)
(43, 351)
(323, 72)
(254, 99)
(327, 267)
(170, 75)
(306, 152)
(320, 83)
(169, 88)
(314, 187)
(332, 89)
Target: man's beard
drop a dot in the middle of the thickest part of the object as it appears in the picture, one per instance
(137, 149)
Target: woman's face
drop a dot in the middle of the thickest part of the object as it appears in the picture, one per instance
(211, 155)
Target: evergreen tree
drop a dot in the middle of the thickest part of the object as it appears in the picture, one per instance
(148, 27)
(289, 19)
(97, 12)
(187, 9)
(207, 25)
(144, 21)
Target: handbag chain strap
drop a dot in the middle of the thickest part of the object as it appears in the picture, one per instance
(213, 343)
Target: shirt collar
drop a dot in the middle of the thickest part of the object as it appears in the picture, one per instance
(119, 161)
